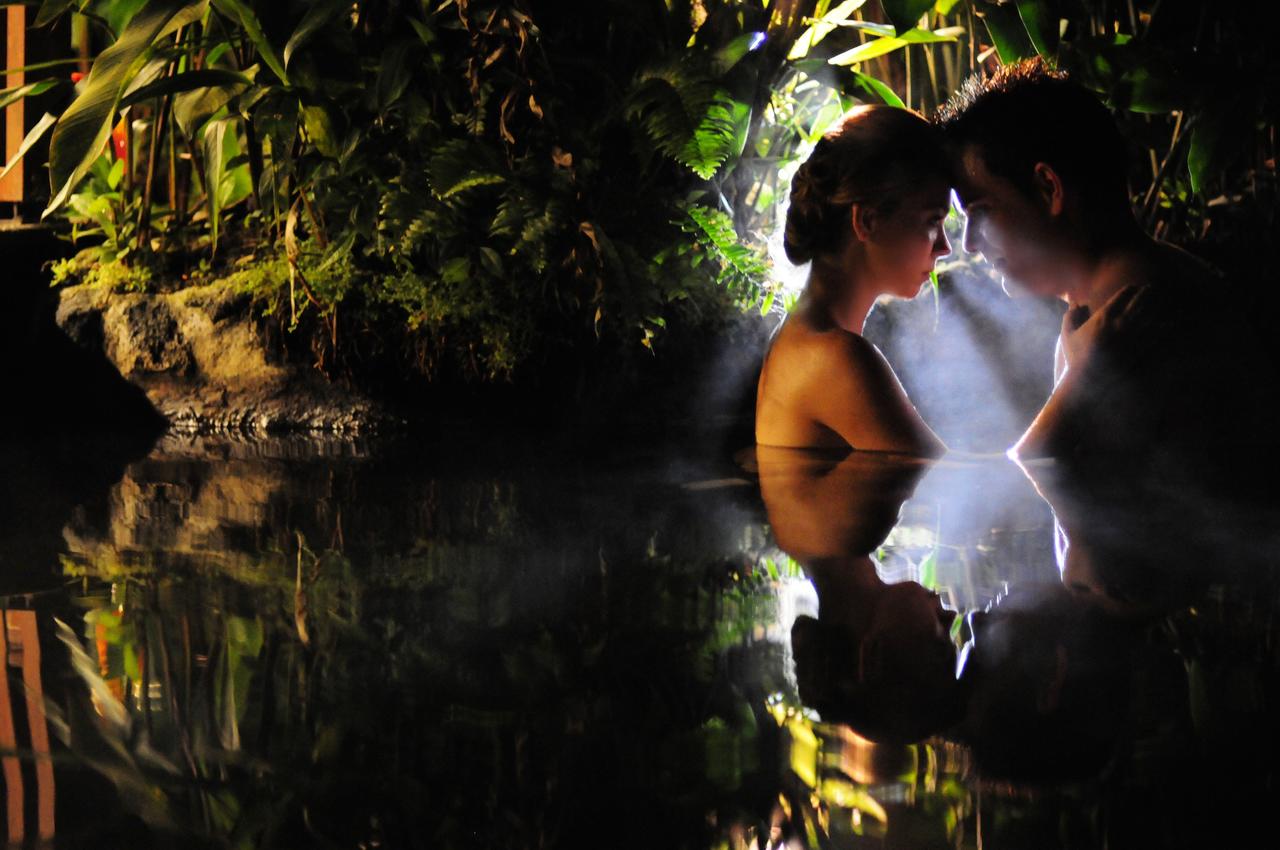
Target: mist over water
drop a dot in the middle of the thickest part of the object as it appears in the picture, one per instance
(978, 364)
(976, 361)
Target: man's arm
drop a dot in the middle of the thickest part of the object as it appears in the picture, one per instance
(1048, 431)
(1082, 335)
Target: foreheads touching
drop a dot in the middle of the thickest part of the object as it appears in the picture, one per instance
(1027, 113)
(1040, 169)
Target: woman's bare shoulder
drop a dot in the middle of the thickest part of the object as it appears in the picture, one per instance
(824, 347)
(850, 357)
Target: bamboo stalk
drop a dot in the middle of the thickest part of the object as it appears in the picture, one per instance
(1149, 205)
(159, 121)
(906, 58)
(931, 63)
(157, 130)
(178, 214)
(254, 144)
(973, 40)
(950, 62)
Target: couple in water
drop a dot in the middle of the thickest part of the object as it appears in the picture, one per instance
(1155, 381)
(1040, 171)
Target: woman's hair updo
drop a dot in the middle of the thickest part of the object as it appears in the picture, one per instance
(876, 155)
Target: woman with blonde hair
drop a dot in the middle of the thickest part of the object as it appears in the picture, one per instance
(866, 214)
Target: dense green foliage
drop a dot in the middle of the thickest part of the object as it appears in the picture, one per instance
(505, 181)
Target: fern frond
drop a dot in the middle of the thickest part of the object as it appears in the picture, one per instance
(537, 233)
(688, 117)
(454, 168)
(721, 134)
(670, 102)
(513, 210)
(744, 269)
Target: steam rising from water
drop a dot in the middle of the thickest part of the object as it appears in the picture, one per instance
(978, 364)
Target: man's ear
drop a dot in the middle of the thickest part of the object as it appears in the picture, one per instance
(1048, 186)
(864, 220)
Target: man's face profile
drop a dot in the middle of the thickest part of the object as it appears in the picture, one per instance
(1012, 230)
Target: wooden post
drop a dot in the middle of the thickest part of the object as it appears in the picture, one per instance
(14, 114)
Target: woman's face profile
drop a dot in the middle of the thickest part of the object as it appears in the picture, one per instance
(907, 241)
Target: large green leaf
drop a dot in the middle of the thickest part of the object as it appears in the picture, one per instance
(275, 121)
(1147, 90)
(116, 15)
(215, 164)
(17, 93)
(85, 126)
(823, 27)
(237, 10)
(829, 114)
(210, 78)
(1200, 158)
(191, 109)
(1008, 33)
(51, 9)
(313, 21)
(42, 127)
(152, 70)
(1219, 137)
(318, 122)
(878, 89)
(395, 72)
(732, 53)
(889, 43)
(41, 66)
(905, 14)
(1040, 18)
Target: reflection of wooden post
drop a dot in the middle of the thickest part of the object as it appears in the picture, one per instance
(20, 647)
(23, 623)
(13, 790)
(14, 113)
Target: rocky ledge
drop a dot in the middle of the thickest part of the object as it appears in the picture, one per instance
(209, 364)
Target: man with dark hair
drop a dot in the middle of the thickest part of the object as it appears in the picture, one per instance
(1041, 171)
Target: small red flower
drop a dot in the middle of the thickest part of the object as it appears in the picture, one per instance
(118, 140)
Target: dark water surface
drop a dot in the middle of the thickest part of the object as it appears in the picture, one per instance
(483, 643)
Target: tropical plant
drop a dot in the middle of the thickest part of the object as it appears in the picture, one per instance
(506, 181)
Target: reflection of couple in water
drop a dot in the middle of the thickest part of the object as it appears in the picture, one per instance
(1039, 687)
(1040, 169)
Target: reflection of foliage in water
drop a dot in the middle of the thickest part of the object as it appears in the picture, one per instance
(417, 695)
(500, 656)
(838, 790)
(843, 788)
